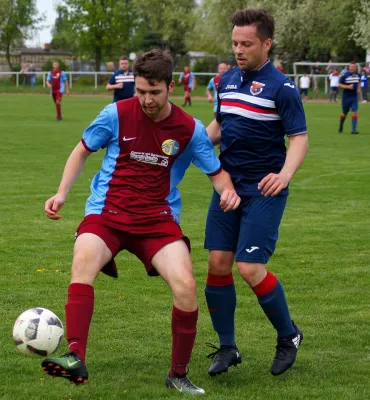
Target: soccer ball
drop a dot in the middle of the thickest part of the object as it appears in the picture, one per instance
(38, 332)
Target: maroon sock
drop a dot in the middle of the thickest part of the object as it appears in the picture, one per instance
(59, 110)
(184, 330)
(79, 310)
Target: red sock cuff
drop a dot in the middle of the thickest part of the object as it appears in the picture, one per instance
(176, 312)
(220, 280)
(80, 289)
(267, 285)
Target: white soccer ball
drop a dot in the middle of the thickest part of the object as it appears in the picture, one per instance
(38, 332)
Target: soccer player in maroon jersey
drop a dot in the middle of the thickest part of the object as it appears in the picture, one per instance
(187, 78)
(58, 83)
(135, 205)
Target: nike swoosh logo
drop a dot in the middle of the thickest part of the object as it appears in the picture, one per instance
(71, 364)
(126, 139)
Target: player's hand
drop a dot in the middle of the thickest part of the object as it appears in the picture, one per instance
(119, 85)
(229, 200)
(53, 205)
(210, 99)
(68, 92)
(273, 184)
(350, 86)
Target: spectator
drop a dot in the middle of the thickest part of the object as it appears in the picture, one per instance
(334, 84)
(364, 85)
(32, 71)
(304, 84)
(24, 72)
(316, 71)
(330, 68)
(367, 68)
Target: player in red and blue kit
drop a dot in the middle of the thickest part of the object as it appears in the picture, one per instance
(135, 205)
(58, 83)
(258, 106)
(213, 86)
(187, 78)
(350, 83)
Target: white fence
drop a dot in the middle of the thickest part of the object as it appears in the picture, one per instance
(73, 75)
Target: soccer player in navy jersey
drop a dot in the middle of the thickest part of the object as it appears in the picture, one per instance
(122, 82)
(350, 83)
(135, 205)
(258, 106)
(57, 82)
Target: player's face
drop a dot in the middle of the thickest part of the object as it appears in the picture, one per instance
(352, 68)
(222, 68)
(186, 70)
(55, 65)
(153, 99)
(124, 64)
(250, 52)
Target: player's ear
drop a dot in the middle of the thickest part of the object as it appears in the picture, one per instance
(171, 87)
(267, 44)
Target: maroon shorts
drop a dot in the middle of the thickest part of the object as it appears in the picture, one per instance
(187, 89)
(144, 246)
(57, 96)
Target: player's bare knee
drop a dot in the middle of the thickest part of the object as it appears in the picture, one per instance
(220, 263)
(252, 273)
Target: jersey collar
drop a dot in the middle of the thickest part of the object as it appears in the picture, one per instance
(247, 76)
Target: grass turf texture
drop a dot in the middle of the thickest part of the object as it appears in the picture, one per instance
(322, 259)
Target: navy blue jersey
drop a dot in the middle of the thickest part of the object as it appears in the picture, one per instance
(350, 78)
(255, 110)
(128, 81)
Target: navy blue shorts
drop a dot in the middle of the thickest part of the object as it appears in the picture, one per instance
(349, 104)
(251, 231)
(304, 91)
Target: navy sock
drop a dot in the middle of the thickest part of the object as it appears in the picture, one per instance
(221, 300)
(271, 298)
(342, 119)
(354, 123)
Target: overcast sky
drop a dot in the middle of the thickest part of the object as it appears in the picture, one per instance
(46, 7)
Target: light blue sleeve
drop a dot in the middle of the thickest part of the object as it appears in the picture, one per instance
(102, 129)
(211, 85)
(49, 76)
(204, 156)
(181, 75)
(63, 76)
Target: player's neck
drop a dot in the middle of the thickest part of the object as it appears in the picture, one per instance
(164, 113)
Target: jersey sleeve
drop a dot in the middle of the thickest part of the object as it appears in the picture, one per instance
(211, 85)
(63, 76)
(112, 79)
(204, 156)
(342, 79)
(290, 108)
(181, 75)
(100, 131)
(49, 76)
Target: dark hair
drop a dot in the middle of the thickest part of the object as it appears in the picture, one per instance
(353, 62)
(124, 58)
(263, 21)
(155, 66)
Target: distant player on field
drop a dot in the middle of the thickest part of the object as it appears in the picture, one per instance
(122, 81)
(350, 83)
(58, 83)
(213, 86)
(258, 106)
(187, 78)
(304, 85)
(135, 206)
(334, 84)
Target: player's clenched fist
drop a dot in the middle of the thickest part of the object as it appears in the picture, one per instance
(53, 205)
(229, 200)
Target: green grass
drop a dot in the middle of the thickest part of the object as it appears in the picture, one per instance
(322, 258)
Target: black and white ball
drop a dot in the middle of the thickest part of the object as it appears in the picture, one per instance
(38, 332)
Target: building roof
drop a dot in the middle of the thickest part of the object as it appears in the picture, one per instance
(38, 51)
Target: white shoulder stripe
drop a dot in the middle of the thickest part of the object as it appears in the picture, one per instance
(246, 97)
(249, 114)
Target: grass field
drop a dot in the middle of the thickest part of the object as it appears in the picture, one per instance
(322, 258)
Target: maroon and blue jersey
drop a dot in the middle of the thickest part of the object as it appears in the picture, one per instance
(350, 78)
(256, 110)
(143, 164)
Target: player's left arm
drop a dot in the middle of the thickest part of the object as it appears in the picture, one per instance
(194, 82)
(204, 157)
(65, 79)
(291, 111)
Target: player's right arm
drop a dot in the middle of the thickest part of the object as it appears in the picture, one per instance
(112, 85)
(48, 80)
(210, 89)
(214, 132)
(180, 78)
(343, 85)
(72, 170)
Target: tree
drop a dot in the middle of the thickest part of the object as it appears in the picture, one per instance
(361, 28)
(99, 28)
(18, 20)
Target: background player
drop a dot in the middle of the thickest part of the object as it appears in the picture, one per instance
(122, 81)
(58, 83)
(304, 85)
(187, 78)
(213, 85)
(349, 82)
(135, 205)
(334, 84)
(258, 106)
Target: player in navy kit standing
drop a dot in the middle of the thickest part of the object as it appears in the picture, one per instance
(350, 83)
(258, 106)
(135, 205)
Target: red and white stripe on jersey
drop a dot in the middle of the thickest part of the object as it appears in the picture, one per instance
(248, 106)
(124, 78)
